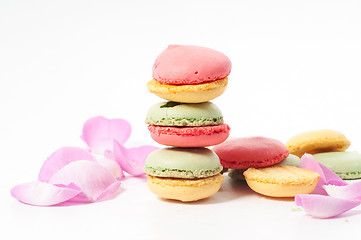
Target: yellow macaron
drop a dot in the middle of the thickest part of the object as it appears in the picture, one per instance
(281, 181)
(185, 190)
(317, 141)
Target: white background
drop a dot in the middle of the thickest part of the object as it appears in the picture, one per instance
(296, 67)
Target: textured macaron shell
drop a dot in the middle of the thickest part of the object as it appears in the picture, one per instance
(189, 93)
(178, 114)
(202, 136)
(317, 141)
(345, 164)
(242, 153)
(183, 163)
(185, 190)
(186, 64)
(189, 131)
(281, 181)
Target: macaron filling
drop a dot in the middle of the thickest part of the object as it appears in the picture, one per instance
(179, 173)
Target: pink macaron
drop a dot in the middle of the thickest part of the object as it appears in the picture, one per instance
(242, 153)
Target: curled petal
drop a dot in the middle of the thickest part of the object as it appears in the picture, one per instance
(326, 175)
(93, 179)
(132, 160)
(99, 133)
(113, 168)
(44, 194)
(61, 158)
(109, 192)
(351, 191)
(324, 206)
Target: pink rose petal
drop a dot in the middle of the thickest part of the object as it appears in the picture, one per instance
(351, 191)
(44, 194)
(99, 133)
(61, 158)
(326, 175)
(109, 192)
(324, 206)
(132, 160)
(113, 167)
(93, 180)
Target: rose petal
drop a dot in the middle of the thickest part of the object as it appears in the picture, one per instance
(99, 133)
(61, 158)
(93, 180)
(44, 194)
(324, 206)
(351, 191)
(132, 160)
(109, 192)
(113, 167)
(326, 175)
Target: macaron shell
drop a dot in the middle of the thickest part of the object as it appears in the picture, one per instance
(281, 181)
(179, 114)
(185, 190)
(190, 136)
(186, 64)
(182, 163)
(317, 141)
(291, 160)
(242, 153)
(237, 174)
(188, 93)
(345, 164)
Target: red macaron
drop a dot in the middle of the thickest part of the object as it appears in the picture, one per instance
(242, 153)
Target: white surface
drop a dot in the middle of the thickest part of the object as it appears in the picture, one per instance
(296, 67)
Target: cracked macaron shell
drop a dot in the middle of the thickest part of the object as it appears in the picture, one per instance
(187, 64)
(183, 163)
(179, 114)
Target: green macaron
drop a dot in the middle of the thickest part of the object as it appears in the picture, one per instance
(180, 114)
(345, 164)
(183, 163)
(291, 160)
(237, 174)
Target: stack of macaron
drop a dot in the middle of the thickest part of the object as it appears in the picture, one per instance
(259, 160)
(188, 77)
(329, 148)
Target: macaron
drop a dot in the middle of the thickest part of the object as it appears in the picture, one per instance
(242, 153)
(317, 141)
(345, 164)
(281, 181)
(291, 160)
(187, 125)
(185, 174)
(190, 74)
